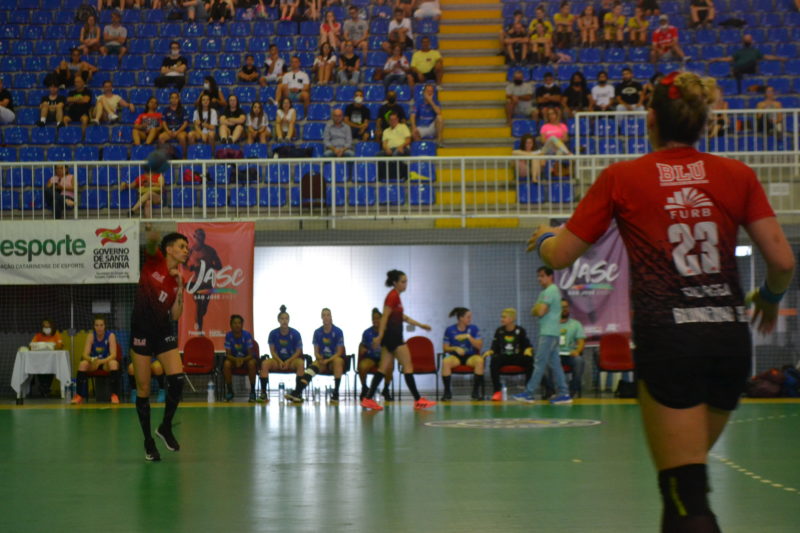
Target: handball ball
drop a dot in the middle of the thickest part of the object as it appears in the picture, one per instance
(157, 161)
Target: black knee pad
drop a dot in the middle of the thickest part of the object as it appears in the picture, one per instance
(175, 386)
(684, 490)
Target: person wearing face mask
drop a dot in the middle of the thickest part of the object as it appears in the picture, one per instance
(356, 115)
(391, 106)
(576, 97)
(519, 97)
(47, 333)
(173, 68)
(214, 92)
(108, 105)
(602, 93)
(665, 41)
(548, 96)
(745, 60)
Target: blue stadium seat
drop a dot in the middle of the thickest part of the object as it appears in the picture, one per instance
(93, 198)
(792, 68)
(22, 48)
(140, 153)
(301, 169)
(246, 95)
(235, 45)
(106, 176)
(770, 68)
(132, 62)
(211, 46)
(376, 59)
(340, 170)
(206, 61)
(9, 31)
(284, 44)
(87, 153)
(9, 155)
(44, 47)
(124, 79)
(115, 153)
(392, 195)
(27, 116)
(140, 96)
(239, 29)
(31, 154)
(309, 28)
(719, 69)
(272, 197)
(123, 200)
(423, 148)
(639, 54)
(365, 172)
(313, 131)
(306, 59)
(379, 26)
(287, 28)
(35, 63)
(374, 93)
(229, 61)
(306, 44)
(189, 95)
(561, 192)
(32, 200)
(421, 195)
(258, 44)
(162, 95)
(226, 77)
(362, 196)
(643, 71)
(108, 63)
(244, 197)
(45, 135)
(219, 173)
(346, 93)
(18, 177)
(69, 135)
(422, 171)
(319, 111)
(42, 17)
(279, 173)
(335, 195)
(32, 33)
(520, 127)
(321, 93)
(10, 64)
(184, 197)
(367, 149)
(10, 200)
(256, 151)
(216, 197)
(530, 193)
(199, 151)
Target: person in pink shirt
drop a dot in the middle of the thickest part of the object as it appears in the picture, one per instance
(553, 134)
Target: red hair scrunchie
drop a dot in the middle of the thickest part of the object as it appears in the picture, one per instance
(669, 80)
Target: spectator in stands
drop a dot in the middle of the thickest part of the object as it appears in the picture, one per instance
(649, 7)
(232, 121)
(396, 69)
(330, 31)
(541, 44)
(745, 60)
(51, 108)
(718, 122)
(602, 93)
(528, 169)
(649, 87)
(702, 13)
(249, 72)
(554, 134)
(357, 116)
(150, 185)
(115, 37)
(576, 97)
(99, 352)
(637, 28)
(380, 10)
(519, 97)
(356, 30)
(349, 66)
(214, 91)
(588, 26)
(614, 23)
(273, 67)
(219, 11)
(176, 123)
(769, 123)
(195, 10)
(517, 44)
(391, 106)
(67, 70)
(108, 104)
(205, 120)
(519, 18)
(427, 64)
(60, 191)
(7, 115)
(665, 41)
(396, 139)
(426, 120)
(406, 6)
(48, 333)
(565, 26)
(427, 9)
(289, 9)
(148, 125)
(541, 18)
(295, 85)
(78, 105)
(324, 64)
(630, 93)
(109, 4)
(399, 32)
(338, 137)
(548, 96)
(173, 68)
(90, 36)
(285, 121)
(258, 130)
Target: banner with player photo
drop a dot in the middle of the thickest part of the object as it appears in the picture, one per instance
(596, 286)
(219, 274)
(69, 253)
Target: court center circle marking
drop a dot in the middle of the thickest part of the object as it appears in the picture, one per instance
(514, 423)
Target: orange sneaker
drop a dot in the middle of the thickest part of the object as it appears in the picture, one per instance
(497, 396)
(77, 399)
(114, 398)
(369, 403)
(423, 403)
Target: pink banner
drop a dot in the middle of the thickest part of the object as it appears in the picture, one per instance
(596, 286)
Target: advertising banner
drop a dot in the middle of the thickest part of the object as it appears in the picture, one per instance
(596, 286)
(69, 252)
(220, 279)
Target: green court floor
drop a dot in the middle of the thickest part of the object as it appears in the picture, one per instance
(322, 469)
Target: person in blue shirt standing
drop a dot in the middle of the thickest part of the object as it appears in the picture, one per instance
(462, 346)
(548, 310)
(426, 120)
(329, 357)
(240, 351)
(176, 123)
(286, 351)
(369, 356)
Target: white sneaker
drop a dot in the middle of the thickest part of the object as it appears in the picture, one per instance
(112, 117)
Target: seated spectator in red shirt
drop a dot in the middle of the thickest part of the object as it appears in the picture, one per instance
(147, 126)
(665, 41)
(330, 31)
(150, 185)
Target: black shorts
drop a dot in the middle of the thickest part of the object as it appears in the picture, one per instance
(392, 339)
(461, 358)
(153, 339)
(429, 76)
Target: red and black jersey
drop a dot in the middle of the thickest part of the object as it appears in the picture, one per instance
(678, 212)
(395, 320)
(157, 290)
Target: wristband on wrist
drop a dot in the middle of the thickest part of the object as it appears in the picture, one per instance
(768, 295)
(543, 237)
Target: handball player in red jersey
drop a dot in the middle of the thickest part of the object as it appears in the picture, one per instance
(157, 306)
(678, 212)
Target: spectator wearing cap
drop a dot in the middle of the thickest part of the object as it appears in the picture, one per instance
(665, 41)
(630, 93)
(548, 96)
(427, 64)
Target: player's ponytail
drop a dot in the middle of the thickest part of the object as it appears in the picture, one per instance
(458, 312)
(282, 312)
(682, 102)
(393, 276)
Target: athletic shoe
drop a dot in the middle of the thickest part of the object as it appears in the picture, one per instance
(292, 397)
(228, 396)
(114, 398)
(77, 399)
(369, 403)
(423, 403)
(162, 396)
(95, 122)
(387, 395)
(112, 117)
(252, 398)
(497, 396)
(335, 398)
(165, 434)
(263, 397)
(447, 396)
(150, 450)
(524, 397)
(562, 399)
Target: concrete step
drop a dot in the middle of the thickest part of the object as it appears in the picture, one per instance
(484, 68)
(474, 122)
(504, 222)
(471, 14)
(487, 95)
(471, 36)
(475, 176)
(475, 45)
(469, 4)
(456, 150)
(477, 131)
(477, 198)
(473, 60)
(473, 77)
(492, 114)
(462, 29)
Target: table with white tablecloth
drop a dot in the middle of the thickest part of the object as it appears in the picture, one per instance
(28, 363)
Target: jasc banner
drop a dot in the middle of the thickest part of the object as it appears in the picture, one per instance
(220, 279)
(69, 253)
(596, 286)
